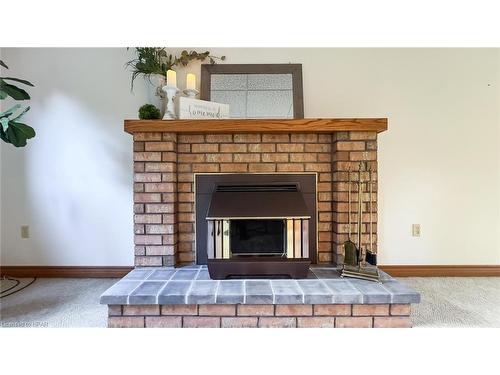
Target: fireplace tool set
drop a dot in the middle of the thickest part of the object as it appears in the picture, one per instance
(360, 262)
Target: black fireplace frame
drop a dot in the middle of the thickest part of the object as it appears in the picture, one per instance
(205, 184)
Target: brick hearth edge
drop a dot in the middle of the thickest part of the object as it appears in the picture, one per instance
(261, 316)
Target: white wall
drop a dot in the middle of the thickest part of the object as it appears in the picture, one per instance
(439, 161)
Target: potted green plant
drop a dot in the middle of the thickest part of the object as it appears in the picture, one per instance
(149, 112)
(11, 129)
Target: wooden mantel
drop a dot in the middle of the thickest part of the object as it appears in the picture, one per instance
(309, 125)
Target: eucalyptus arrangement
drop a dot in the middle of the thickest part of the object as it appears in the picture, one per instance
(156, 60)
(11, 130)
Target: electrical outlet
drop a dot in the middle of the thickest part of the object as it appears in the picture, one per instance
(415, 230)
(25, 231)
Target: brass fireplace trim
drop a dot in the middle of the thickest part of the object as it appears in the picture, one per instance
(195, 174)
(291, 250)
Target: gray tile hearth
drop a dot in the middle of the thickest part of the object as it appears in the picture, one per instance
(343, 292)
(287, 292)
(161, 274)
(400, 293)
(315, 291)
(258, 292)
(192, 285)
(372, 292)
(146, 293)
(203, 275)
(230, 291)
(118, 293)
(185, 274)
(202, 292)
(175, 292)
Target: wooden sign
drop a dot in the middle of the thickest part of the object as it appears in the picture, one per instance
(189, 108)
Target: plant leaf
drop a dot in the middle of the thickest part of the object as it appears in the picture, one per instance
(10, 111)
(5, 117)
(5, 123)
(26, 130)
(18, 80)
(3, 94)
(18, 117)
(3, 64)
(14, 92)
(15, 137)
(17, 134)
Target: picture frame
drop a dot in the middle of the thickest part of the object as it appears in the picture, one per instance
(208, 71)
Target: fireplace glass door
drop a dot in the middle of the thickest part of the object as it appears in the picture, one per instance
(257, 237)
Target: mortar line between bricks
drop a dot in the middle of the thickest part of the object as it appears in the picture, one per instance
(302, 291)
(188, 291)
(244, 292)
(272, 291)
(164, 286)
(388, 291)
(132, 291)
(216, 293)
(191, 286)
(359, 290)
(328, 288)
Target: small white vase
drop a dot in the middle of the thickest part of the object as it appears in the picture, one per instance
(156, 80)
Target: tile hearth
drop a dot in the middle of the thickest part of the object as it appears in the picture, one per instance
(192, 285)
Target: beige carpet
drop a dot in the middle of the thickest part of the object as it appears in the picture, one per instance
(456, 301)
(446, 302)
(55, 303)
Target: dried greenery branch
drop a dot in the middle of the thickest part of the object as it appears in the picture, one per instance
(156, 60)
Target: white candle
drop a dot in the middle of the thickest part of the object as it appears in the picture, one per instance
(191, 81)
(171, 78)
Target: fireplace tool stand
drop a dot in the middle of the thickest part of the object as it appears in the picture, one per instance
(356, 265)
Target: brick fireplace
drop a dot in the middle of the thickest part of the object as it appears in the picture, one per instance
(167, 160)
(183, 173)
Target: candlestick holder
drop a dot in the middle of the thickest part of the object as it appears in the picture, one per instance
(191, 93)
(170, 92)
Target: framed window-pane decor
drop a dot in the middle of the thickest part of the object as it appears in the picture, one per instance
(255, 90)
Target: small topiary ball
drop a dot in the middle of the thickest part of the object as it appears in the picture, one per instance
(149, 112)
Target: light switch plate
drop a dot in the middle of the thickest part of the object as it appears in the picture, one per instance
(415, 230)
(25, 231)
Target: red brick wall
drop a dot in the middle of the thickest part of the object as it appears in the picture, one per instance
(348, 149)
(263, 316)
(165, 163)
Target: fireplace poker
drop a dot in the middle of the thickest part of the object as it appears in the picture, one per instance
(350, 249)
(360, 215)
(371, 256)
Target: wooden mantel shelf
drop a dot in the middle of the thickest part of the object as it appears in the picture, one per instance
(309, 125)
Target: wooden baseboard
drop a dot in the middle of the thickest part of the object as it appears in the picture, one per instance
(116, 272)
(441, 271)
(64, 271)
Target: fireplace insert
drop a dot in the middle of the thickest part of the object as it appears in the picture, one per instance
(257, 237)
(256, 224)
